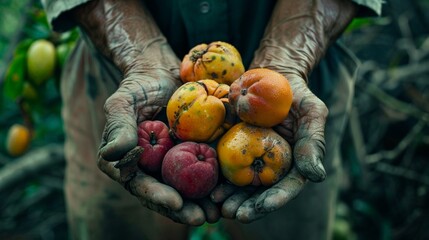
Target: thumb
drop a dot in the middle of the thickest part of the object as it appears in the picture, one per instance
(308, 154)
(120, 131)
(309, 148)
(309, 144)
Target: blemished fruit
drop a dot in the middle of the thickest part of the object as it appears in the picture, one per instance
(219, 61)
(18, 139)
(261, 97)
(196, 111)
(41, 60)
(154, 137)
(251, 155)
(191, 168)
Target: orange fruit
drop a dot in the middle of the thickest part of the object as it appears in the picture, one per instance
(261, 96)
(219, 61)
(196, 111)
(18, 140)
(251, 155)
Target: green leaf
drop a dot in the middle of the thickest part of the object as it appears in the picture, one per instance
(359, 23)
(38, 31)
(14, 80)
(70, 36)
(39, 16)
(23, 46)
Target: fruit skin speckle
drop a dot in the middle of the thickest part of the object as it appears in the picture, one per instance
(261, 97)
(219, 61)
(200, 115)
(251, 155)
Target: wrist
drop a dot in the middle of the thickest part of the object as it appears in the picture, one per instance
(125, 33)
(299, 34)
(154, 56)
(283, 61)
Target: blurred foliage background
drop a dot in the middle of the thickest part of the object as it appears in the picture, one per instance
(384, 192)
(386, 150)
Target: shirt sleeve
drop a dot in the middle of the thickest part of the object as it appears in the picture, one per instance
(369, 7)
(57, 11)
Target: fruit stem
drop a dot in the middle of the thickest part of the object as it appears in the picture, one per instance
(152, 138)
(200, 157)
(243, 91)
(196, 55)
(258, 164)
(28, 121)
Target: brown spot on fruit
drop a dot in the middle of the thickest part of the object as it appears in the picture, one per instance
(219, 61)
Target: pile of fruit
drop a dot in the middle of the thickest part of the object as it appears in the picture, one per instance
(220, 123)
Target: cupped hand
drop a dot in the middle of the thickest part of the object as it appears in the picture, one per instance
(141, 96)
(304, 130)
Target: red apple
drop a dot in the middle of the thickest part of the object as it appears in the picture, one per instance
(154, 137)
(191, 168)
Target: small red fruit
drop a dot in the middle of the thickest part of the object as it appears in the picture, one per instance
(154, 137)
(191, 168)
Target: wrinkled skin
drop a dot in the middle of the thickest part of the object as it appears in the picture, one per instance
(292, 46)
(151, 75)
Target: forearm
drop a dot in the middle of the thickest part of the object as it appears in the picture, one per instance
(299, 33)
(124, 32)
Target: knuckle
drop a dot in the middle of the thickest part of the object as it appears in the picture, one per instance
(321, 108)
(109, 104)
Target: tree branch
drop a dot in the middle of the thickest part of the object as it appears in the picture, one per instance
(394, 103)
(394, 153)
(402, 172)
(30, 164)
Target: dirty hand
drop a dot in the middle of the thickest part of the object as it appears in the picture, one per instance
(124, 33)
(295, 39)
(304, 130)
(140, 98)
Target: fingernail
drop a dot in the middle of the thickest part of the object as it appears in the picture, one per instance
(319, 173)
(105, 151)
(258, 206)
